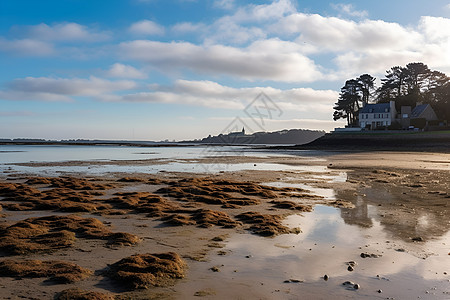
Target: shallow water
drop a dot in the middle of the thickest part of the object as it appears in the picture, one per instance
(324, 246)
(172, 159)
(257, 267)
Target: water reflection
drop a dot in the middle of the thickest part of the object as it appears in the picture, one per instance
(401, 216)
(326, 243)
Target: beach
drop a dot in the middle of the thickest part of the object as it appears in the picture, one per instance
(227, 225)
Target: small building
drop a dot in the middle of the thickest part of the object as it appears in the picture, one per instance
(418, 117)
(378, 115)
(424, 111)
(238, 133)
(404, 118)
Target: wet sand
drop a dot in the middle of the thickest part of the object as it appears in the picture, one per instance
(255, 234)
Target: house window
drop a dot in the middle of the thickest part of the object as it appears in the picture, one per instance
(405, 116)
(367, 116)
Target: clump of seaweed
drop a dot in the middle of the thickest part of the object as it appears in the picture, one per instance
(203, 218)
(143, 271)
(265, 225)
(228, 193)
(286, 204)
(56, 271)
(143, 202)
(47, 234)
(207, 218)
(68, 182)
(65, 199)
(130, 179)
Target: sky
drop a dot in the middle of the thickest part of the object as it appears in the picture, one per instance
(184, 69)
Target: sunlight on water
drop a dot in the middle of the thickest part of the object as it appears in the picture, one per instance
(324, 246)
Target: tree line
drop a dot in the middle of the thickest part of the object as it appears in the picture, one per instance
(407, 86)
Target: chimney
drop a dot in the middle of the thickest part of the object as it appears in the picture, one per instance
(392, 108)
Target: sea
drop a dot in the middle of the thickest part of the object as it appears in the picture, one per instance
(289, 266)
(20, 158)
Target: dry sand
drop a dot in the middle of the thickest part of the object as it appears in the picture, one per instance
(168, 236)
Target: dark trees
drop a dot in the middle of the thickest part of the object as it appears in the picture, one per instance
(366, 85)
(348, 106)
(405, 85)
(416, 83)
(354, 95)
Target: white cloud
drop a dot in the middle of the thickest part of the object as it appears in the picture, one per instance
(225, 30)
(224, 4)
(435, 29)
(187, 27)
(125, 71)
(146, 27)
(264, 12)
(348, 9)
(61, 89)
(26, 47)
(330, 34)
(63, 32)
(255, 62)
(213, 95)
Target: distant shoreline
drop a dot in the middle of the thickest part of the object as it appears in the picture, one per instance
(438, 141)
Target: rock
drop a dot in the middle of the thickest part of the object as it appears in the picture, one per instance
(370, 255)
(351, 285)
(325, 277)
(379, 291)
(350, 269)
(293, 281)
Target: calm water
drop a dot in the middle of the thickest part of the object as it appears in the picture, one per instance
(169, 159)
(259, 266)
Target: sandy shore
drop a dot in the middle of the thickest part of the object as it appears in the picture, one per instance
(204, 234)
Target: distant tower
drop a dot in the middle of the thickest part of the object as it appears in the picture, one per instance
(243, 131)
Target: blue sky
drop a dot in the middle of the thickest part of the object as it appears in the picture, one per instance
(183, 69)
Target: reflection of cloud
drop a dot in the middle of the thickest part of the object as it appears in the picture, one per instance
(310, 254)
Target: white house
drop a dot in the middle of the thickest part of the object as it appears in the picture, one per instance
(372, 116)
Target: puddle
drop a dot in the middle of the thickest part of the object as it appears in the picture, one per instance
(325, 245)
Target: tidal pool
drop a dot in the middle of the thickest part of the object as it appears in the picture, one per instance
(293, 266)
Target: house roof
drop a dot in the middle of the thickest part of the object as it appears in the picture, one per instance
(418, 110)
(376, 108)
